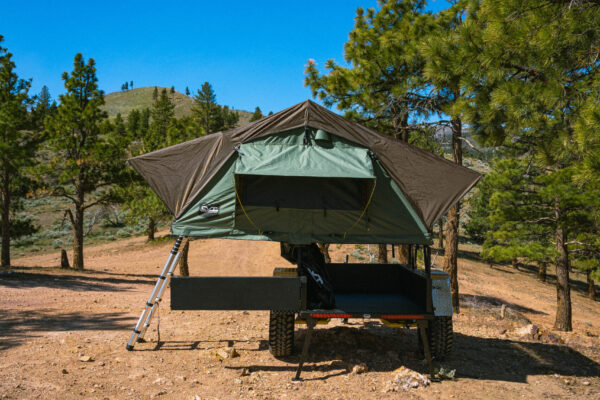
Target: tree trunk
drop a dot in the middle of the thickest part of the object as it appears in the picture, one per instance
(441, 234)
(451, 250)
(5, 221)
(324, 247)
(451, 264)
(64, 259)
(151, 229)
(515, 263)
(183, 259)
(382, 257)
(542, 272)
(591, 285)
(403, 254)
(78, 237)
(563, 291)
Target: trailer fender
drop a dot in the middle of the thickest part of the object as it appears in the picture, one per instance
(441, 295)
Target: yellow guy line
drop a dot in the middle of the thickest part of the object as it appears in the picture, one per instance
(364, 210)
(243, 209)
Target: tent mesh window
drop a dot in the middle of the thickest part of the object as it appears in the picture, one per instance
(305, 193)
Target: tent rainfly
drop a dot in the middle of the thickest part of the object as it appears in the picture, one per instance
(301, 176)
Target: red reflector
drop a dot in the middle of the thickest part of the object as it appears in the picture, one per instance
(399, 316)
(331, 315)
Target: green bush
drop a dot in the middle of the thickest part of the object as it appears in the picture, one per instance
(123, 233)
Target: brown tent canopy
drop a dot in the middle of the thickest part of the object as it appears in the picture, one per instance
(179, 173)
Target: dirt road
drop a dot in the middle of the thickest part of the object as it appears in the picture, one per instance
(63, 335)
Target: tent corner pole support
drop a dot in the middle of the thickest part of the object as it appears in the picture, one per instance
(310, 322)
(155, 296)
(422, 326)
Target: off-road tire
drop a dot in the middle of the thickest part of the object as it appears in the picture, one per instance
(281, 333)
(281, 323)
(440, 335)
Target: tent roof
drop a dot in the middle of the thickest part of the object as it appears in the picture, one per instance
(179, 173)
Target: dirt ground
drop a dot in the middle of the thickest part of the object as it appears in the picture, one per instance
(63, 335)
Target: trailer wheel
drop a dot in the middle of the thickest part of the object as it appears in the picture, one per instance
(440, 335)
(281, 333)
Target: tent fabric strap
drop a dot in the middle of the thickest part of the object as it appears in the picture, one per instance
(363, 211)
(243, 209)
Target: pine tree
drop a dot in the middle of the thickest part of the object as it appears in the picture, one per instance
(155, 93)
(133, 124)
(85, 160)
(257, 115)
(529, 75)
(172, 89)
(126, 86)
(229, 119)
(18, 147)
(205, 108)
(131, 84)
(43, 108)
(162, 111)
(187, 91)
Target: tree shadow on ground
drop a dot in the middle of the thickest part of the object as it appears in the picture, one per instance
(383, 349)
(490, 302)
(83, 272)
(576, 285)
(78, 282)
(17, 326)
(187, 345)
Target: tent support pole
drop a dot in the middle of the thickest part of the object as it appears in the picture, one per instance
(422, 327)
(310, 322)
(155, 296)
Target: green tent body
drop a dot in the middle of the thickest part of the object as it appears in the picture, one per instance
(301, 176)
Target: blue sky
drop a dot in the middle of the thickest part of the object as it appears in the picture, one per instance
(253, 53)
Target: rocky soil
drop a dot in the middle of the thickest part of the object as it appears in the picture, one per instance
(63, 335)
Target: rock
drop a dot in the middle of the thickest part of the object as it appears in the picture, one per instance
(244, 372)
(64, 371)
(86, 359)
(238, 381)
(446, 373)
(360, 368)
(502, 311)
(159, 393)
(406, 379)
(226, 353)
(101, 363)
(586, 383)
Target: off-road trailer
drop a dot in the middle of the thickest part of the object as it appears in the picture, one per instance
(303, 176)
(314, 292)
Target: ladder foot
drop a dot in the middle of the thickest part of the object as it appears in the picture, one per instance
(129, 347)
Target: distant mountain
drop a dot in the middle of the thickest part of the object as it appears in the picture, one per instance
(139, 98)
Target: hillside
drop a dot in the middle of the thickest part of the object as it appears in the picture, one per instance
(139, 98)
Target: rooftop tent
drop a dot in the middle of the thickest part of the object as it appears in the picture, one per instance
(304, 175)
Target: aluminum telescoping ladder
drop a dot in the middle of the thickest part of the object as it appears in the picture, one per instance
(156, 296)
